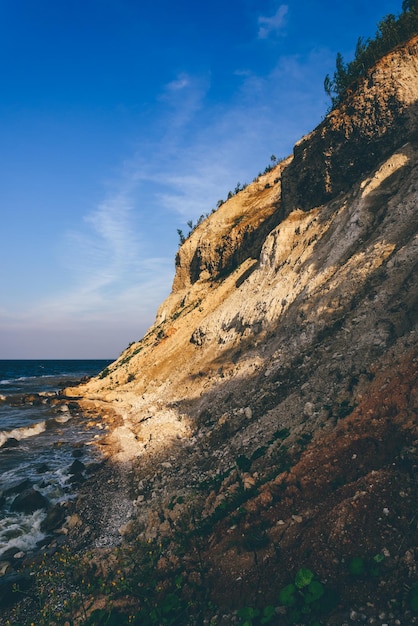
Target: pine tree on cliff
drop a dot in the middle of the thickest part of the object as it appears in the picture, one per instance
(391, 31)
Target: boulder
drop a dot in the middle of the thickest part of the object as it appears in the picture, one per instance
(76, 467)
(29, 501)
(54, 518)
(11, 442)
(42, 469)
(17, 487)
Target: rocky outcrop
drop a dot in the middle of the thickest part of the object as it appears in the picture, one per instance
(235, 233)
(378, 118)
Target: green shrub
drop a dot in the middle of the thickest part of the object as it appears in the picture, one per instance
(306, 597)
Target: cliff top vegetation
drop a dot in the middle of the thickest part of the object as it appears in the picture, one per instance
(391, 31)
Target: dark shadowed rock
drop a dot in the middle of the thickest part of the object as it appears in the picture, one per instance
(55, 517)
(10, 585)
(41, 469)
(17, 487)
(8, 554)
(12, 442)
(29, 501)
(76, 467)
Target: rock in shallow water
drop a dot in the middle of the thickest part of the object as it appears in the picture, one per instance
(76, 467)
(29, 501)
(11, 442)
(17, 487)
(55, 517)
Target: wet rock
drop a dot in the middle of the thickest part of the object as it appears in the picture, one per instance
(9, 554)
(76, 467)
(55, 517)
(29, 501)
(77, 479)
(42, 469)
(5, 567)
(33, 399)
(17, 487)
(93, 467)
(12, 442)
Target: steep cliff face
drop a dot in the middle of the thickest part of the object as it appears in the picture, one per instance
(371, 123)
(293, 304)
(235, 234)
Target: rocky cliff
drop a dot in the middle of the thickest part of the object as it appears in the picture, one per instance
(271, 408)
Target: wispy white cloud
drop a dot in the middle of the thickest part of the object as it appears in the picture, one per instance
(234, 143)
(274, 24)
(178, 83)
(117, 266)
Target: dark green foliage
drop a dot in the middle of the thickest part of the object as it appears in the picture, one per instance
(243, 463)
(192, 226)
(303, 577)
(413, 598)
(391, 31)
(283, 433)
(104, 373)
(306, 598)
(357, 566)
(182, 238)
(362, 567)
(251, 616)
(344, 409)
(259, 453)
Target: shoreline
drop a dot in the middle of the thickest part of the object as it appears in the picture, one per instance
(93, 528)
(93, 519)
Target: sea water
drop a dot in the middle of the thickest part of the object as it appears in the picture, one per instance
(38, 440)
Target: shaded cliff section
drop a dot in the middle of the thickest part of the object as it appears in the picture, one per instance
(371, 123)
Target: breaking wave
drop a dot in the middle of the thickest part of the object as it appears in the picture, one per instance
(22, 433)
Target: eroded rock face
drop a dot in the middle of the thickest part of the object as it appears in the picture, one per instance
(373, 122)
(350, 143)
(269, 276)
(233, 234)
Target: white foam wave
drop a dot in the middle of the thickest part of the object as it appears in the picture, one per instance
(22, 433)
(21, 531)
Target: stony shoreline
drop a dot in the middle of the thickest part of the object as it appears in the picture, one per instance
(93, 519)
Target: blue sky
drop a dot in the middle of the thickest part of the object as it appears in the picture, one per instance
(120, 120)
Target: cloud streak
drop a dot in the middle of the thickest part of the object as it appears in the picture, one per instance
(118, 260)
(274, 24)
